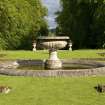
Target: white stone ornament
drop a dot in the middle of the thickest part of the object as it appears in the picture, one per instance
(34, 46)
(70, 46)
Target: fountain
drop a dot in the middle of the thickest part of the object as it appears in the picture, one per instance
(53, 43)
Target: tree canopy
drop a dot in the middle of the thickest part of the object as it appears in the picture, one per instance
(20, 21)
(84, 22)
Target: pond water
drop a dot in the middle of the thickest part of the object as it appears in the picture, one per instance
(69, 67)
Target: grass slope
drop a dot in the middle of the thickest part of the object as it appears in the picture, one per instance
(52, 91)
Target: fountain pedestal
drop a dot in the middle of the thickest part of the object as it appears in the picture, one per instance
(53, 62)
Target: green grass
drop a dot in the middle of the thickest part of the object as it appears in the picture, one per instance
(23, 55)
(80, 54)
(44, 54)
(52, 91)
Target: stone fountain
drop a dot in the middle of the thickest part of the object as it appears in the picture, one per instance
(53, 43)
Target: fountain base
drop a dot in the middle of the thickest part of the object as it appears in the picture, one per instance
(53, 64)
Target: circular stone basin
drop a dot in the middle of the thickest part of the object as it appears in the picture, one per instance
(36, 68)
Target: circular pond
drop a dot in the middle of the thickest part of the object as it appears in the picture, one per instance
(36, 68)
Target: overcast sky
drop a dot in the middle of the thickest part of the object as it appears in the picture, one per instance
(53, 6)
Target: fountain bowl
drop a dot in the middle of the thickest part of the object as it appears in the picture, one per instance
(56, 42)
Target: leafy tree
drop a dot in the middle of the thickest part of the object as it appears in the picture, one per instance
(83, 21)
(20, 21)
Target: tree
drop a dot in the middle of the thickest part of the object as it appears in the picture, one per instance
(20, 21)
(83, 21)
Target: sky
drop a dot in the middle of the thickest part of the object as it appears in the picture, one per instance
(53, 6)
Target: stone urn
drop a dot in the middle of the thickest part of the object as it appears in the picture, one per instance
(53, 44)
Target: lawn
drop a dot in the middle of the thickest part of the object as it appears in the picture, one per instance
(52, 91)
(65, 54)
